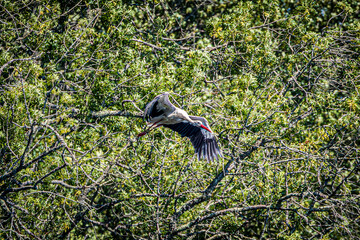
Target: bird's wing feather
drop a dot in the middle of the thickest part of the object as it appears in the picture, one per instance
(151, 109)
(204, 142)
(158, 106)
(167, 102)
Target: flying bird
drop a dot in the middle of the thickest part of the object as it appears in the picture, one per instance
(161, 112)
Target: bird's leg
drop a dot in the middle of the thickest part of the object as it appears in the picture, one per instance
(152, 127)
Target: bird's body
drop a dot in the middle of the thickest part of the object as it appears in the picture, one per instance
(161, 112)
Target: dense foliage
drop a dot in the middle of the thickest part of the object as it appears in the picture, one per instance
(278, 81)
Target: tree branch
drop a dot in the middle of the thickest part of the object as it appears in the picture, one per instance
(108, 113)
(20, 59)
(147, 44)
(207, 193)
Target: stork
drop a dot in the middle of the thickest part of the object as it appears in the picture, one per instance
(161, 112)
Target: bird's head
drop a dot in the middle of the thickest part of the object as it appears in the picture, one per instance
(201, 125)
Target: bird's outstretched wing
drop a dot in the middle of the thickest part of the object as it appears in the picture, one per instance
(204, 142)
(158, 106)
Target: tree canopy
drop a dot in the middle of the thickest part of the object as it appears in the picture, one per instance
(278, 81)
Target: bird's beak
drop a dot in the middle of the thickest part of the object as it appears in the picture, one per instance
(205, 128)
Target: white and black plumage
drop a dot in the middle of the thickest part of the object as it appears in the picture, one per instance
(161, 112)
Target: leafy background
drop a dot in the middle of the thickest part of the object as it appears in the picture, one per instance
(277, 80)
